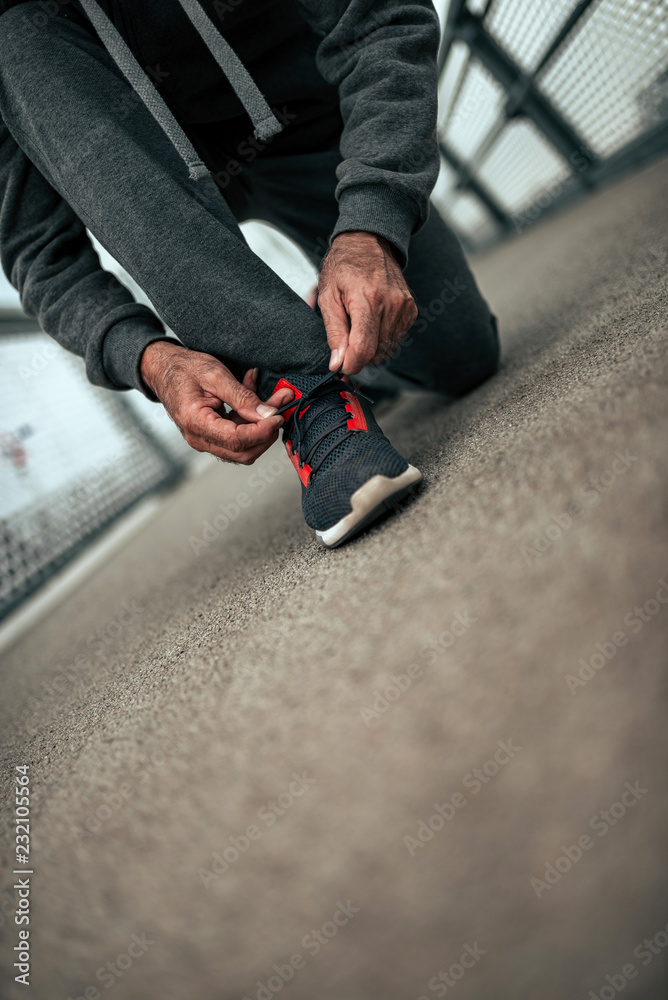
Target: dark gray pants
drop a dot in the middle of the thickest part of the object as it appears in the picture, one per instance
(454, 343)
(83, 126)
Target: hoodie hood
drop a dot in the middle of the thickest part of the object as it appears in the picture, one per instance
(264, 121)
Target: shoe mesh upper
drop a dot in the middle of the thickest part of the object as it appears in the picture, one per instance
(327, 498)
(361, 454)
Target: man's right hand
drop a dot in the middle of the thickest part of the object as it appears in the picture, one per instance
(193, 387)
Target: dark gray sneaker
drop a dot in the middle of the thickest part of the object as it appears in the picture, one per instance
(349, 471)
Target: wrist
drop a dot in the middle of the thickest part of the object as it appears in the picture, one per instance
(363, 238)
(154, 359)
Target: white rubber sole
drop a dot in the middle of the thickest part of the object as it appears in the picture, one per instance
(377, 495)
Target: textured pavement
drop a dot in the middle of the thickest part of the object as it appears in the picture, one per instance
(228, 770)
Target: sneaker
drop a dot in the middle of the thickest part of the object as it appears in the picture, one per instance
(349, 471)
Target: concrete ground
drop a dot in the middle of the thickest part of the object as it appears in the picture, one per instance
(527, 703)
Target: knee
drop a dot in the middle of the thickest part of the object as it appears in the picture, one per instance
(483, 357)
(475, 358)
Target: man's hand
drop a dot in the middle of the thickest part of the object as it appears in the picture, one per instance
(193, 387)
(364, 300)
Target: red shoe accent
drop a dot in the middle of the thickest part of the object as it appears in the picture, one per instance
(305, 472)
(284, 384)
(357, 421)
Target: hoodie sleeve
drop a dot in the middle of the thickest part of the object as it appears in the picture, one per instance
(381, 54)
(47, 256)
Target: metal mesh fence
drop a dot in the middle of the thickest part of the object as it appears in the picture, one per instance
(476, 111)
(470, 217)
(602, 80)
(73, 459)
(525, 28)
(156, 422)
(522, 166)
(540, 100)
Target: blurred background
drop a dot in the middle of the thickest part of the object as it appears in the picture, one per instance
(541, 102)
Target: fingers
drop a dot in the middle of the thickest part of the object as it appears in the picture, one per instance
(240, 396)
(280, 398)
(391, 335)
(231, 441)
(277, 400)
(366, 322)
(250, 379)
(408, 316)
(242, 435)
(233, 434)
(370, 329)
(337, 326)
(237, 457)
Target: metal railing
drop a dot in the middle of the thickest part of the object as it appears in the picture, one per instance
(73, 458)
(541, 102)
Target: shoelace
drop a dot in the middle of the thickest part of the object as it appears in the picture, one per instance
(300, 424)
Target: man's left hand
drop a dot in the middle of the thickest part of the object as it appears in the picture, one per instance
(365, 302)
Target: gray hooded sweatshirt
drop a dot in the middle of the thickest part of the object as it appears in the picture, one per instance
(235, 63)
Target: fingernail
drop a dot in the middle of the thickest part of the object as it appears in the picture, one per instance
(266, 411)
(335, 359)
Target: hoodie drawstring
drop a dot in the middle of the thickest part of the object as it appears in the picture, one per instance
(264, 121)
(244, 86)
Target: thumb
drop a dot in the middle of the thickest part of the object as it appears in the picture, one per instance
(337, 326)
(273, 401)
(242, 398)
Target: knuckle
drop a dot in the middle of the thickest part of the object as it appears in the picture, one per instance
(193, 442)
(190, 417)
(244, 397)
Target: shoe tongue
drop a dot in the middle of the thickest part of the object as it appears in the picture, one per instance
(303, 383)
(319, 422)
